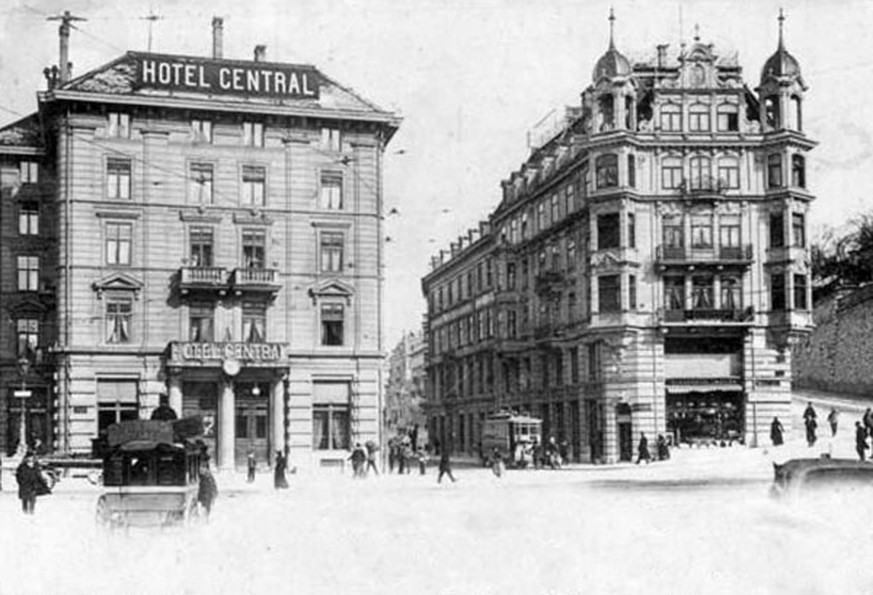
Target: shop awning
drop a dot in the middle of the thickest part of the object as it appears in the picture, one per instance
(684, 389)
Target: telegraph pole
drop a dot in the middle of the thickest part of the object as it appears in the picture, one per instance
(151, 18)
(66, 20)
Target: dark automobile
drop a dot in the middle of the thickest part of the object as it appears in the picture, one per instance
(801, 477)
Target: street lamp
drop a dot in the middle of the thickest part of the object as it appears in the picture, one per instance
(23, 394)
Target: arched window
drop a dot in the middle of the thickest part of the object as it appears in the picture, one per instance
(607, 171)
(798, 112)
(606, 105)
(698, 118)
(728, 118)
(701, 179)
(671, 173)
(671, 118)
(771, 113)
(798, 171)
(728, 173)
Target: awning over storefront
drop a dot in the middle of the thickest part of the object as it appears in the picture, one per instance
(684, 389)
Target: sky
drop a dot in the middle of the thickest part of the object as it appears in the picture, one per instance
(470, 78)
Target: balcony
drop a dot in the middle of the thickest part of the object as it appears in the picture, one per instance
(708, 315)
(667, 256)
(206, 279)
(255, 280)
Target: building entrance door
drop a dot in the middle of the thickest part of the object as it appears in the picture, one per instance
(252, 423)
(625, 433)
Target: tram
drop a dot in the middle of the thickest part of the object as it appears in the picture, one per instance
(511, 435)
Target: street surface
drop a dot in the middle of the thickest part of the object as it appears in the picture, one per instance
(700, 523)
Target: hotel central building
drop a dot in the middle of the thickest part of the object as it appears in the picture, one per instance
(201, 227)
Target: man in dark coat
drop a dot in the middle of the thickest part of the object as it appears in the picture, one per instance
(279, 480)
(833, 418)
(164, 412)
(30, 483)
(643, 450)
(811, 425)
(372, 449)
(207, 491)
(861, 440)
(445, 466)
(359, 459)
(776, 430)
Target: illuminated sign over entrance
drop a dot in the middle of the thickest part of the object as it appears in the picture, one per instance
(264, 354)
(222, 77)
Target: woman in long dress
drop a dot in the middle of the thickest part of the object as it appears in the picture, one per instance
(279, 481)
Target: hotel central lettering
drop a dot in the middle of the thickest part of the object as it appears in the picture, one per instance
(243, 352)
(206, 76)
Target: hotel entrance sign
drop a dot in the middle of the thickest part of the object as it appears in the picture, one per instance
(229, 356)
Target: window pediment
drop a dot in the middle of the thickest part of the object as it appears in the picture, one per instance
(27, 306)
(332, 288)
(120, 282)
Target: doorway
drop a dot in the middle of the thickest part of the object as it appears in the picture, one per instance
(625, 432)
(252, 422)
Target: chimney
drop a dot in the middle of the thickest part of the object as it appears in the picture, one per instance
(662, 54)
(64, 59)
(260, 53)
(217, 37)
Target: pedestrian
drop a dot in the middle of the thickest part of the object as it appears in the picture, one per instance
(403, 454)
(832, 420)
(564, 450)
(497, 465)
(207, 491)
(164, 412)
(358, 459)
(811, 425)
(868, 421)
(809, 412)
(552, 454)
(392, 455)
(643, 450)
(861, 440)
(279, 480)
(251, 465)
(537, 453)
(30, 483)
(372, 449)
(422, 460)
(776, 430)
(663, 448)
(445, 466)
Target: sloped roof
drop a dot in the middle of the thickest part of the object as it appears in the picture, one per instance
(23, 133)
(119, 77)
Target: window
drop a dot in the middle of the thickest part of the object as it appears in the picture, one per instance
(777, 230)
(607, 171)
(201, 323)
(774, 171)
(671, 173)
(332, 252)
(771, 113)
(117, 401)
(777, 291)
(673, 232)
(200, 185)
(541, 217)
(331, 403)
(729, 235)
(200, 239)
(702, 293)
(119, 314)
(254, 322)
(510, 275)
(118, 240)
(574, 365)
(798, 171)
(632, 171)
(728, 173)
(331, 196)
(118, 178)
(698, 118)
(254, 180)
(671, 118)
(555, 264)
(119, 125)
(28, 218)
(731, 293)
(569, 198)
(800, 292)
(331, 140)
(609, 293)
(728, 118)
(798, 230)
(525, 272)
(253, 134)
(28, 337)
(332, 319)
(608, 234)
(28, 273)
(28, 172)
(556, 213)
(798, 112)
(674, 292)
(595, 361)
(607, 112)
(700, 173)
(701, 231)
(202, 130)
(489, 273)
(631, 230)
(571, 256)
(632, 292)
(254, 248)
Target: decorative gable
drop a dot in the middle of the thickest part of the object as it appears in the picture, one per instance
(121, 282)
(332, 288)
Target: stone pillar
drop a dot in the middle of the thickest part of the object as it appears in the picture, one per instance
(226, 426)
(174, 393)
(277, 416)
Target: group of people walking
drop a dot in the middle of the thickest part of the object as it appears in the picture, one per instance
(662, 451)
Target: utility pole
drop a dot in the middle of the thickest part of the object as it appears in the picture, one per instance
(64, 32)
(151, 18)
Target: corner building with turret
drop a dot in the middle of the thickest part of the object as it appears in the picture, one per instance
(200, 227)
(646, 271)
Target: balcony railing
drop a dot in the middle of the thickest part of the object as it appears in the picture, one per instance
(203, 278)
(716, 254)
(255, 279)
(738, 315)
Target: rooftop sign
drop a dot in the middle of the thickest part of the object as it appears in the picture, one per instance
(223, 77)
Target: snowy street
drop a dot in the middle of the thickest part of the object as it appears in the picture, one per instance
(699, 523)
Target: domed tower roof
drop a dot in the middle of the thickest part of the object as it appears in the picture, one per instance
(781, 64)
(612, 63)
